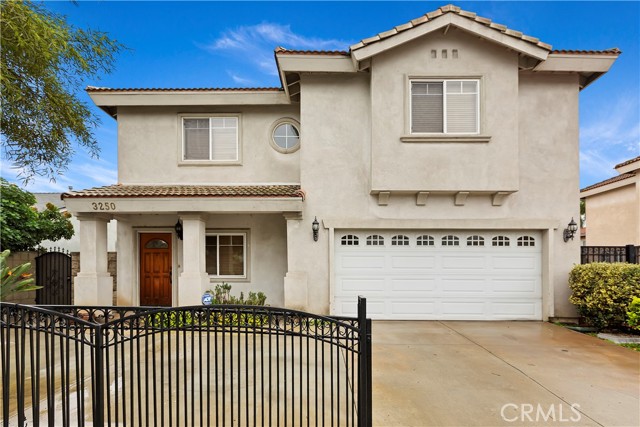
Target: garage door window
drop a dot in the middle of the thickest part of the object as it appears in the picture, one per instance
(375, 240)
(425, 240)
(350, 240)
(500, 241)
(399, 240)
(475, 241)
(526, 241)
(450, 240)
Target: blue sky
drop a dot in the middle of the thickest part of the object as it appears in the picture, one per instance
(230, 44)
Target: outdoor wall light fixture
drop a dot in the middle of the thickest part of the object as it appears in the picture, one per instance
(571, 229)
(178, 228)
(315, 226)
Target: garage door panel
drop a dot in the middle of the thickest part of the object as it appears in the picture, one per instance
(464, 262)
(413, 262)
(412, 308)
(463, 285)
(356, 286)
(416, 286)
(417, 281)
(350, 262)
(516, 286)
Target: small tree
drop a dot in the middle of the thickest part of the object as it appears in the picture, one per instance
(22, 226)
(44, 61)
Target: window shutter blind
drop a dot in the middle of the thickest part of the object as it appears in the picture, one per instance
(426, 107)
(196, 139)
(462, 107)
(224, 138)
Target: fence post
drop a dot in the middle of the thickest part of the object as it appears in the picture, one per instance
(630, 252)
(364, 371)
(98, 379)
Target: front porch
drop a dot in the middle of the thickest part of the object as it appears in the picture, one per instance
(175, 242)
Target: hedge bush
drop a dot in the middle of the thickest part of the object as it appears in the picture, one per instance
(633, 314)
(602, 292)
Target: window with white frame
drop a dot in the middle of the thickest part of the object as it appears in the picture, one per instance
(210, 138)
(445, 106)
(226, 254)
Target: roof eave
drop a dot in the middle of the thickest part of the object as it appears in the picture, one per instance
(607, 187)
(589, 66)
(361, 53)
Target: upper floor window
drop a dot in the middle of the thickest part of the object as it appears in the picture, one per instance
(210, 138)
(445, 106)
(285, 135)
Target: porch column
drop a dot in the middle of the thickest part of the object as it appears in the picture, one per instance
(193, 280)
(125, 247)
(93, 285)
(295, 282)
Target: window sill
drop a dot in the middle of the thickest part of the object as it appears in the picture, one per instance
(209, 163)
(446, 138)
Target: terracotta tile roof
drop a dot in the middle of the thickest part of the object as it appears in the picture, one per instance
(286, 51)
(444, 10)
(628, 162)
(612, 51)
(186, 89)
(609, 181)
(215, 191)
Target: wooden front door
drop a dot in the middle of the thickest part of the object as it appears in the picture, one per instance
(155, 269)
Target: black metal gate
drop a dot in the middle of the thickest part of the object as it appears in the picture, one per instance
(53, 273)
(183, 366)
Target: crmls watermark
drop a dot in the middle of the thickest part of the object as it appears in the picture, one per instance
(512, 412)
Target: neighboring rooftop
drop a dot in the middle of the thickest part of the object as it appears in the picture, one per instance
(215, 191)
(609, 181)
(186, 89)
(628, 162)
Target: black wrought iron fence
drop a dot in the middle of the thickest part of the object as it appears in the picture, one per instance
(628, 253)
(183, 366)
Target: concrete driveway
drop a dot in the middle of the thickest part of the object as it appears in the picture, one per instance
(500, 373)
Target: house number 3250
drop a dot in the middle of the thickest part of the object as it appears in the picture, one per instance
(100, 206)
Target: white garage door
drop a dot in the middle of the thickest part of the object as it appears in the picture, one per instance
(448, 275)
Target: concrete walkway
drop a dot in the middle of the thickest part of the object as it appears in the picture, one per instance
(500, 373)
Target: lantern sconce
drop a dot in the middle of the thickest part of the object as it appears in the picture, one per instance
(571, 229)
(178, 228)
(315, 226)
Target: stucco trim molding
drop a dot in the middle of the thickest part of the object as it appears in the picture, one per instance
(469, 224)
(445, 138)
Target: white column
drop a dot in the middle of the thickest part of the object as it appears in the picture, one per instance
(93, 285)
(193, 280)
(296, 281)
(127, 293)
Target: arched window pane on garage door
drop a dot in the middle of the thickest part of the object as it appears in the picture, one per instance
(450, 240)
(400, 240)
(475, 241)
(500, 241)
(425, 240)
(375, 240)
(526, 241)
(350, 240)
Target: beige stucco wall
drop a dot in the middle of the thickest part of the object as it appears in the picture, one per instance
(449, 166)
(612, 217)
(150, 144)
(545, 155)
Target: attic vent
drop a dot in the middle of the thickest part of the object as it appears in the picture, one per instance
(434, 53)
(454, 53)
(444, 53)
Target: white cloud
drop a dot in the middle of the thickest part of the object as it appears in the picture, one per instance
(612, 137)
(255, 44)
(241, 80)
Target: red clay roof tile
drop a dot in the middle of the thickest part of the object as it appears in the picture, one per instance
(185, 89)
(215, 191)
(627, 162)
(608, 181)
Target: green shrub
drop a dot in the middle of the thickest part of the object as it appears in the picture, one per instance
(17, 279)
(222, 295)
(633, 315)
(602, 292)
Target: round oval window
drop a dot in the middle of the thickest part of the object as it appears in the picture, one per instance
(286, 137)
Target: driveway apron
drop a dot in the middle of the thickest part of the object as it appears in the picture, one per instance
(456, 373)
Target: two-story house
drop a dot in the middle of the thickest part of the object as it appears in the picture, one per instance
(439, 160)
